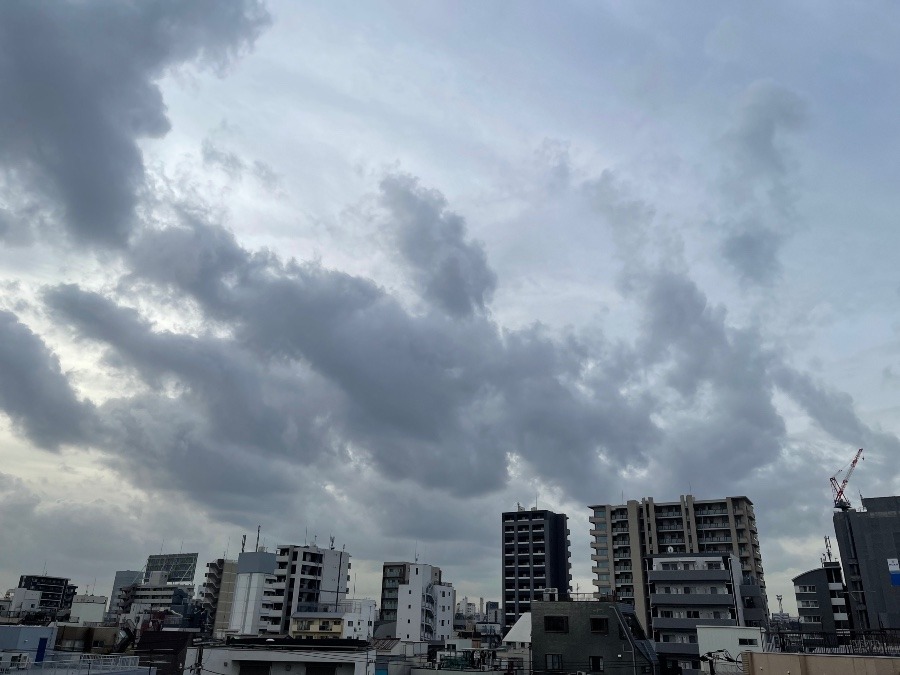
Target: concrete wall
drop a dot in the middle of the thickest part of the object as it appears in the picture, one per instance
(228, 661)
(821, 664)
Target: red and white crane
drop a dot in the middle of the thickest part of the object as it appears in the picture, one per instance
(840, 501)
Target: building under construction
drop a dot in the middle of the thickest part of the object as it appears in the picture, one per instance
(869, 542)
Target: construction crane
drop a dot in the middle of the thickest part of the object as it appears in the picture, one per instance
(840, 501)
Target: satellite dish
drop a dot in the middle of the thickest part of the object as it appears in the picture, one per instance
(671, 549)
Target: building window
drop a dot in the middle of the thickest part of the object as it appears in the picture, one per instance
(809, 604)
(749, 642)
(805, 589)
(554, 661)
(556, 624)
(596, 664)
(600, 624)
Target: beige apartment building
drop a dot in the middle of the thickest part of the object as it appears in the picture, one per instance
(624, 535)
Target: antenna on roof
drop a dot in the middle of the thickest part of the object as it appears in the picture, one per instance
(305, 535)
(828, 547)
(258, 530)
(417, 551)
(243, 542)
(331, 539)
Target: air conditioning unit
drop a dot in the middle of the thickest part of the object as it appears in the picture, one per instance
(551, 594)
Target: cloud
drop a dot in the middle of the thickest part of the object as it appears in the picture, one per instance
(80, 83)
(758, 181)
(34, 392)
(451, 272)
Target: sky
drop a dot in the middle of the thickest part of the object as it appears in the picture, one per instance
(379, 271)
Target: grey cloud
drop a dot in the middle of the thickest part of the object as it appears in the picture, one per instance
(758, 179)
(226, 399)
(453, 273)
(34, 391)
(754, 253)
(436, 400)
(229, 162)
(834, 412)
(80, 89)
(723, 424)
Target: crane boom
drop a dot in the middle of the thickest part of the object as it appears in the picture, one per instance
(840, 501)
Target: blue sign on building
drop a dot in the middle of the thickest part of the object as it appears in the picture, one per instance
(894, 569)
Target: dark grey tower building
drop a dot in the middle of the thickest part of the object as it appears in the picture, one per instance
(535, 559)
(822, 599)
(869, 542)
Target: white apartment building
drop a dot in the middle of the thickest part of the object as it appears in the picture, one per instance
(271, 587)
(309, 576)
(422, 606)
(257, 605)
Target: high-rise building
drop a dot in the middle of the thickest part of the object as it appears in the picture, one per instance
(311, 576)
(179, 568)
(869, 542)
(624, 534)
(56, 592)
(822, 599)
(123, 579)
(257, 607)
(415, 598)
(217, 594)
(535, 559)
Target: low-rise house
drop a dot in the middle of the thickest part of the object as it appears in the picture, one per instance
(348, 619)
(589, 636)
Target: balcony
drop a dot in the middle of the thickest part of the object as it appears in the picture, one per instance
(686, 648)
(691, 599)
(689, 575)
(663, 623)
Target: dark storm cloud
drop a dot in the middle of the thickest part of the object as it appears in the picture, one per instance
(79, 83)
(427, 397)
(759, 177)
(452, 272)
(34, 391)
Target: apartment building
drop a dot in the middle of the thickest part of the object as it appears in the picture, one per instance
(535, 559)
(56, 592)
(822, 599)
(690, 590)
(416, 599)
(217, 594)
(258, 603)
(624, 534)
(309, 576)
(348, 620)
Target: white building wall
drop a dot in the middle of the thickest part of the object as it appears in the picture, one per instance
(360, 625)
(734, 639)
(24, 600)
(411, 602)
(246, 610)
(87, 609)
(228, 661)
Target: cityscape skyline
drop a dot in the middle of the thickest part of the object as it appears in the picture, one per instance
(380, 271)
